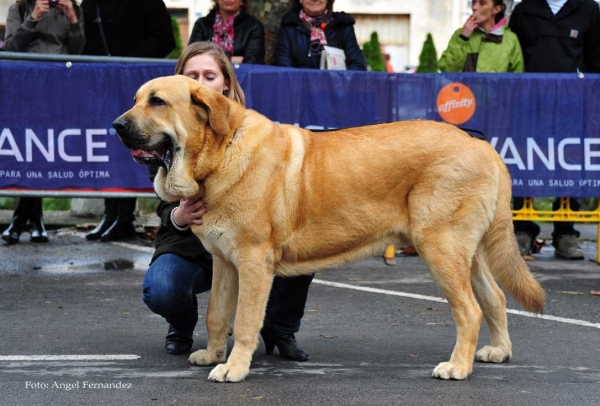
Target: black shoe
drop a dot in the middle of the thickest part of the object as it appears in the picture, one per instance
(286, 344)
(38, 231)
(101, 228)
(12, 234)
(118, 231)
(177, 343)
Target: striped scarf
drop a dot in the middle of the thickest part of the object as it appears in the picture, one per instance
(223, 32)
(316, 25)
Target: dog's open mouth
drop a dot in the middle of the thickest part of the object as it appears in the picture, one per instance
(162, 156)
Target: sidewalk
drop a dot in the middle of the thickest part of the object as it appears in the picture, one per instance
(62, 219)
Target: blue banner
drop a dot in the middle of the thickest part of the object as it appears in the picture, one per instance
(56, 133)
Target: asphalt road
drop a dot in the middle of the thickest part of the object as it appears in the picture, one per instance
(370, 342)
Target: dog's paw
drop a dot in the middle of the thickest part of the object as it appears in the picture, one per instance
(228, 373)
(497, 355)
(450, 370)
(205, 357)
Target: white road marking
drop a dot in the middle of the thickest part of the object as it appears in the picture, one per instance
(440, 300)
(408, 295)
(108, 357)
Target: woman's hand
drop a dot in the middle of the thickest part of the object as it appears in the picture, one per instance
(469, 26)
(66, 6)
(190, 212)
(41, 7)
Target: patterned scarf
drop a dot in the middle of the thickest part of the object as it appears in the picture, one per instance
(316, 25)
(223, 32)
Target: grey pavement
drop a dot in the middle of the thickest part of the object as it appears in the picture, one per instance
(374, 332)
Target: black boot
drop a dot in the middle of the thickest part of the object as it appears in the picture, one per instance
(108, 218)
(13, 233)
(177, 343)
(286, 344)
(123, 227)
(118, 231)
(38, 231)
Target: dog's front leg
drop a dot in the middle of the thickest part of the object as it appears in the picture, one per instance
(221, 306)
(255, 280)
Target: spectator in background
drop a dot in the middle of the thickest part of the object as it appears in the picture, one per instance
(47, 27)
(181, 267)
(484, 43)
(557, 36)
(388, 63)
(134, 28)
(309, 26)
(228, 25)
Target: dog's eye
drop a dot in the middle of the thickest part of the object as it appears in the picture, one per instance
(157, 101)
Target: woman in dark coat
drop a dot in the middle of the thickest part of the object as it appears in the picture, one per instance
(228, 25)
(308, 27)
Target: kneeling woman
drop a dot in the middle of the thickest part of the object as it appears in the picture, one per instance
(181, 267)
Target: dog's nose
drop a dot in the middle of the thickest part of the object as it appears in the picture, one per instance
(120, 124)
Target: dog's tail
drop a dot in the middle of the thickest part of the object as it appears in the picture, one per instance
(502, 253)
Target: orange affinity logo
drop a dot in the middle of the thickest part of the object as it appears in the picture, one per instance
(456, 103)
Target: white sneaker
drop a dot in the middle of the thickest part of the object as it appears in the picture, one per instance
(524, 240)
(567, 247)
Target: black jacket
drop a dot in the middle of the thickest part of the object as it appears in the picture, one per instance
(248, 35)
(564, 42)
(293, 42)
(138, 28)
(185, 244)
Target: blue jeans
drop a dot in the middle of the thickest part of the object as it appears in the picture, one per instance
(170, 288)
(172, 283)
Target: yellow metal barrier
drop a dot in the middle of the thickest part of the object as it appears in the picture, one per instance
(564, 213)
(529, 213)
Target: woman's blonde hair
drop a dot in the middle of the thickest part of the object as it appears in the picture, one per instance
(203, 47)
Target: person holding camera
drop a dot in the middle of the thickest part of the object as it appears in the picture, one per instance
(45, 27)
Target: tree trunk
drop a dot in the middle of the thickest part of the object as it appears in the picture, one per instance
(269, 12)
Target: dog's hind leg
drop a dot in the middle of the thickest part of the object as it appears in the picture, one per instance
(493, 303)
(255, 270)
(449, 258)
(221, 307)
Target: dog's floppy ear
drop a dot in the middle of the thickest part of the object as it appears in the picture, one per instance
(217, 106)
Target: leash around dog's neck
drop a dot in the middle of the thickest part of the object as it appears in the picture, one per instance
(480, 135)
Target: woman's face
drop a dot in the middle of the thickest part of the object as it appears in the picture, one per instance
(204, 69)
(314, 7)
(485, 11)
(229, 6)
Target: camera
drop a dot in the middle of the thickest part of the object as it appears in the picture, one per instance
(53, 3)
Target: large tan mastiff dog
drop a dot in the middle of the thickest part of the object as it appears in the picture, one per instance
(286, 201)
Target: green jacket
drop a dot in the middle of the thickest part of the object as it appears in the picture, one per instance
(498, 51)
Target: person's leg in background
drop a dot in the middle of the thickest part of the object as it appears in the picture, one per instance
(285, 310)
(525, 231)
(564, 237)
(123, 226)
(170, 288)
(108, 218)
(12, 234)
(38, 231)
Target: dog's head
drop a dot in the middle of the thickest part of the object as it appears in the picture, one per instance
(180, 126)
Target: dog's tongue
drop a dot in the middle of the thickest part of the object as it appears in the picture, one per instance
(139, 153)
